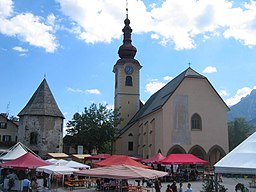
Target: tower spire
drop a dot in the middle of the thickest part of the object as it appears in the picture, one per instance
(127, 50)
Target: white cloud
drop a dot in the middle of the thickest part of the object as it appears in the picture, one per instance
(88, 91)
(30, 29)
(154, 86)
(20, 49)
(210, 69)
(51, 19)
(178, 22)
(6, 8)
(239, 94)
(93, 91)
(74, 90)
(168, 78)
(223, 93)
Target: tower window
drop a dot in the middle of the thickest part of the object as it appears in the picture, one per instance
(196, 122)
(128, 81)
(33, 138)
(3, 125)
(130, 146)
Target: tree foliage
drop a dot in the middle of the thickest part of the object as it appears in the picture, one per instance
(95, 128)
(238, 131)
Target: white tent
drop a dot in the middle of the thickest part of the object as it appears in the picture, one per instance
(241, 160)
(57, 161)
(56, 169)
(76, 165)
(72, 164)
(15, 152)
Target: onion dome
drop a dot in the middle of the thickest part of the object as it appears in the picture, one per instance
(127, 50)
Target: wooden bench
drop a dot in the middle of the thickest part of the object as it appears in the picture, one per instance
(69, 185)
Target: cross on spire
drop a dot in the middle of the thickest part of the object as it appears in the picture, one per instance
(126, 8)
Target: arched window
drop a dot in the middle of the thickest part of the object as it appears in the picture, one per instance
(128, 81)
(33, 138)
(196, 122)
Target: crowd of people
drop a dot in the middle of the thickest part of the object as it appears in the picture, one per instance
(29, 180)
(173, 187)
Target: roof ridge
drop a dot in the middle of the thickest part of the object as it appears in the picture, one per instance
(42, 103)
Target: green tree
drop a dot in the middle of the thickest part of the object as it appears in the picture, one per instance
(95, 128)
(238, 131)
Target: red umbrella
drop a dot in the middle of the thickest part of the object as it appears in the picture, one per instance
(120, 160)
(154, 159)
(26, 161)
(183, 159)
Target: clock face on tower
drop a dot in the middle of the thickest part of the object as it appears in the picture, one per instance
(128, 69)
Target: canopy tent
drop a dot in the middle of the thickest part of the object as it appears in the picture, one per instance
(57, 161)
(71, 163)
(56, 169)
(98, 157)
(241, 160)
(154, 159)
(77, 165)
(57, 155)
(139, 159)
(122, 172)
(15, 151)
(182, 159)
(120, 160)
(80, 157)
(26, 161)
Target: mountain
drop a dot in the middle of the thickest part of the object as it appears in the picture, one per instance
(246, 108)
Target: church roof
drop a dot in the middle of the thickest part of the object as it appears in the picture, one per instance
(158, 99)
(42, 103)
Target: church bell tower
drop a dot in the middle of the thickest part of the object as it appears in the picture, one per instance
(127, 77)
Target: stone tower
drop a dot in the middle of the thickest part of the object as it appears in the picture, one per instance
(127, 77)
(41, 122)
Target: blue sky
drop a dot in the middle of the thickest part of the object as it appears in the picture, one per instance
(74, 45)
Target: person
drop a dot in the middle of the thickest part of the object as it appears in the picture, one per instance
(45, 184)
(12, 177)
(181, 187)
(34, 184)
(174, 187)
(26, 184)
(189, 189)
(158, 185)
(169, 189)
(125, 185)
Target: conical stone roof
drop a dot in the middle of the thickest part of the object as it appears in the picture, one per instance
(42, 103)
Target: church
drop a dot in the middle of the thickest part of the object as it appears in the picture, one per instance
(187, 115)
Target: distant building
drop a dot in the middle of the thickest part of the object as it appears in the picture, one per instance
(8, 132)
(186, 116)
(41, 122)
